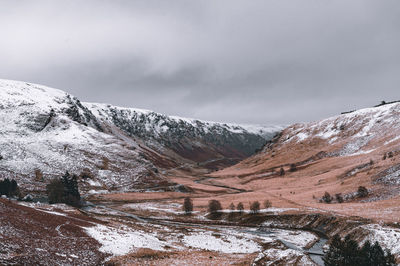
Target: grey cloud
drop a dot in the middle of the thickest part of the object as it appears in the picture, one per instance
(234, 61)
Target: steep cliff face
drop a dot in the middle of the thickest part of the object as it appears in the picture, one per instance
(47, 130)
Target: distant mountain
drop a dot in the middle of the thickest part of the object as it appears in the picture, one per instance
(192, 139)
(49, 131)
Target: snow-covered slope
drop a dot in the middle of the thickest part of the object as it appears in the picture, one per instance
(49, 130)
(369, 124)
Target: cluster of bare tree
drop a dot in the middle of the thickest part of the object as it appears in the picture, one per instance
(215, 207)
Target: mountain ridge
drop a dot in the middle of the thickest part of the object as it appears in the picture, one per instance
(51, 131)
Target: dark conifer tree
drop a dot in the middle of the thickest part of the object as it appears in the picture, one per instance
(64, 190)
(389, 258)
(366, 253)
(71, 190)
(377, 255)
(55, 191)
(351, 252)
(333, 256)
(347, 253)
(9, 188)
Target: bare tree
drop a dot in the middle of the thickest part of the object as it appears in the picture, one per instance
(327, 198)
(214, 206)
(282, 172)
(240, 207)
(255, 207)
(267, 204)
(188, 205)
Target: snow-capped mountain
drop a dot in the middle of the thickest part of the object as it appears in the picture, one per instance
(49, 131)
(192, 139)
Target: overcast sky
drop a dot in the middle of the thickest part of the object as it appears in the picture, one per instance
(262, 62)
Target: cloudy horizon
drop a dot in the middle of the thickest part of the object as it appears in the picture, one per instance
(251, 62)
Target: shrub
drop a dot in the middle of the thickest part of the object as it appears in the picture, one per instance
(255, 207)
(9, 188)
(105, 164)
(339, 197)
(86, 174)
(327, 198)
(38, 175)
(282, 172)
(240, 207)
(232, 206)
(293, 168)
(362, 192)
(214, 206)
(188, 205)
(267, 204)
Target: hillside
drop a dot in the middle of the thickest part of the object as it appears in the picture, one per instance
(48, 131)
(192, 139)
(336, 155)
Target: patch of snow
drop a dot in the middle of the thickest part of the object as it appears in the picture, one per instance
(392, 140)
(390, 176)
(298, 238)
(273, 256)
(94, 183)
(53, 212)
(363, 152)
(150, 206)
(121, 241)
(354, 147)
(301, 136)
(222, 243)
(93, 192)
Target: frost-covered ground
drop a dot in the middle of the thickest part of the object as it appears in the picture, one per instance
(121, 239)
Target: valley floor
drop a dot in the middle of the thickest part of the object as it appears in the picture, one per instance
(149, 228)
